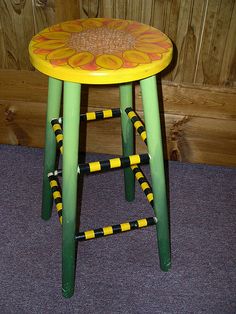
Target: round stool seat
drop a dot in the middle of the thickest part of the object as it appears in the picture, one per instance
(100, 51)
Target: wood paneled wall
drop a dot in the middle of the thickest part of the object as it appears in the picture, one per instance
(199, 95)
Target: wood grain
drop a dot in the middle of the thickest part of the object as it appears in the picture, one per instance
(199, 124)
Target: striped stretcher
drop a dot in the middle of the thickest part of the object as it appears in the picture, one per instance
(109, 164)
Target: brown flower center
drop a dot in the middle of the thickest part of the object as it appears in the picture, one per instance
(101, 40)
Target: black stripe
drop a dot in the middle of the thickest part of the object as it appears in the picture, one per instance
(81, 236)
(60, 143)
(105, 165)
(129, 109)
(58, 200)
(98, 233)
(136, 170)
(116, 229)
(144, 158)
(54, 121)
(141, 129)
(147, 191)
(83, 117)
(54, 189)
(58, 132)
(99, 115)
(84, 168)
(141, 180)
(59, 212)
(116, 112)
(125, 161)
(151, 221)
(134, 225)
(134, 119)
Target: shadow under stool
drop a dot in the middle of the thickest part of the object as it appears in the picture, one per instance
(101, 51)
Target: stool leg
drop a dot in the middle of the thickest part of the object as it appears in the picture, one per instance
(155, 150)
(126, 100)
(71, 122)
(53, 110)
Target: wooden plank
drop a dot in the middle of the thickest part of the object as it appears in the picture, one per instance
(228, 68)
(17, 27)
(89, 8)
(190, 139)
(44, 14)
(214, 42)
(66, 10)
(199, 122)
(185, 99)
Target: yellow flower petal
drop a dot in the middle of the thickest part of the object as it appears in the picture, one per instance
(150, 38)
(71, 27)
(136, 56)
(56, 35)
(61, 53)
(80, 59)
(91, 23)
(108, 61)
(50, 44)
(137, 28)
(149, 48)
(119, 24)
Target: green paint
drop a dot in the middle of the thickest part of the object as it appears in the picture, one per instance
(71, 122)
(154, 141)
(126, 100)
(53, 110)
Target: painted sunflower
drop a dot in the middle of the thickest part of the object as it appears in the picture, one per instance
(93, 44)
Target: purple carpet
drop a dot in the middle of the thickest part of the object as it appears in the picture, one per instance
(120, 273)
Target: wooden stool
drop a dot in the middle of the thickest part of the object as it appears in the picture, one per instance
(101, 51)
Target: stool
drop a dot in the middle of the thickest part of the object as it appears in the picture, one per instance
(101, 51)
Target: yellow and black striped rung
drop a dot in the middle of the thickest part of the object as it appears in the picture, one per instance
(109, 230)
(145, 186)
(137, 123)
(108, 164)
(56, 126)
(100, 115)
(56, 193)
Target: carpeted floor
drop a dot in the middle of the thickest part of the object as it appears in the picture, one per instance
(120, 273)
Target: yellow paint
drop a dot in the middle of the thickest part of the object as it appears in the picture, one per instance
(139, 175)
(134, 159)
(55, 52)
(144, 186)
(59, 206)
(125, 226)
(56, 127)
(95, 166)
(56, 194)
(59, 137)
(137, 124)
(115, 163)
(89, 234)
(53, 183)
(90, 115)
(107, 113)
(150, 197)
(132, 114)
(142, 223)
(144, 135)
(60, 219)
(107, 230)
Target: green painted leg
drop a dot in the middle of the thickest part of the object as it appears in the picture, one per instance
(53, 110)
(154, 140)
(126, 99)
(71, 122)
